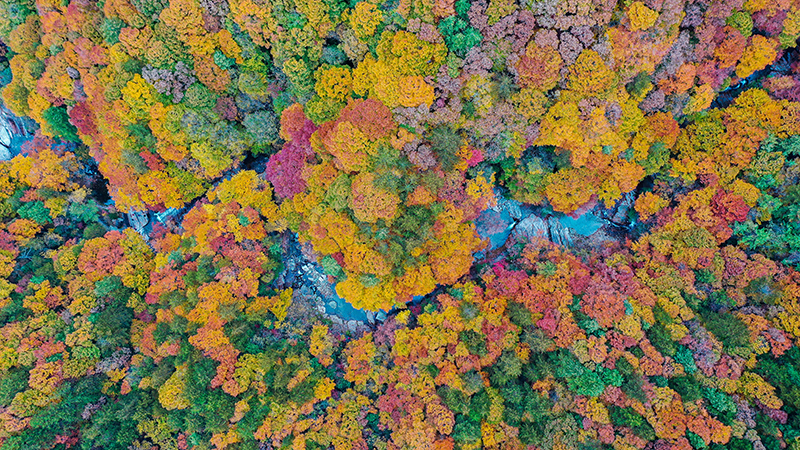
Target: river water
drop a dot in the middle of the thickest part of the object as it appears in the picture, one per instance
(495, 224)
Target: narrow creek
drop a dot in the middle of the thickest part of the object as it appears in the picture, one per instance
(508, 221)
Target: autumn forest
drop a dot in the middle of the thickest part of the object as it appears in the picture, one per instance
(399, 224)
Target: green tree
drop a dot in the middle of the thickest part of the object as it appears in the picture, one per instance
(465, 430)
(58, 120)
(459, 35)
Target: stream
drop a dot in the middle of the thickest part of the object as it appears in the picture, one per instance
(508, 221)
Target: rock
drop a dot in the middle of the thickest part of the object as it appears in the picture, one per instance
(495, 226)
(288, 278)
(336, 320)
(321, 308)
(325, 290)
(6, 136)
(166, 215)
(138, 219)
(307, 291)
(530, 228)
(332, 304)
(370, 317)
(620, 214)
(512, 207)
(352, 325)
(380, 316)
(558, 232)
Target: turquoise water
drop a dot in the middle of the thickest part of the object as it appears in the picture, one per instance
(344, 310)
(585, 225)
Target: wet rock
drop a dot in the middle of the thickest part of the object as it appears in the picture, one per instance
(619, 215)
(530, 228)
(309, 279)
(138, 220)
(325, 289)
(512, 207)
(287, 279)
(559, 234)
(307, 291)
(380, 316)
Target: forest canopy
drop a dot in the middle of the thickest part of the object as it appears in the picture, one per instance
(190, 185)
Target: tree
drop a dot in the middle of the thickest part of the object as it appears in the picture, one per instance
(335, 83)
(590, 75)
(539, 67)
(370, 203)
(641, 17)
(567, 189)
(170, 394)
(758, 54)
(58, 120)
(465, 431)
(364, 19)
(459, 35)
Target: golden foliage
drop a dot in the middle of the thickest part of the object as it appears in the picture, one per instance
(641, 16)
